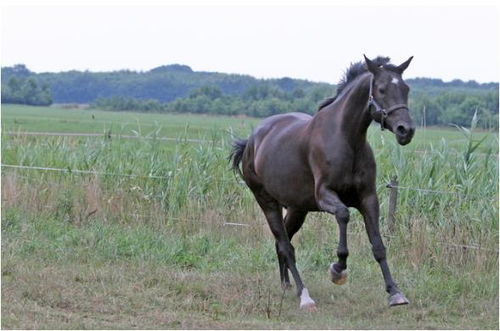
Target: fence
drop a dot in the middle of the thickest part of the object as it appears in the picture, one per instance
(393, 187)
(190, 140)
(76, 171)
(106, 135)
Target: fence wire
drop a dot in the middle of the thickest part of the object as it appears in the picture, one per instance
(424, 190)
(91, 135)
(77, 171)
(70, 171)
(191, 140)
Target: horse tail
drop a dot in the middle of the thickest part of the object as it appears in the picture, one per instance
(238, 147)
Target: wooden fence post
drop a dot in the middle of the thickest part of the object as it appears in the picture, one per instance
(393, 200)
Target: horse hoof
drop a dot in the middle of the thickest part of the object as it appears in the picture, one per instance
(308, 307)
(339, 278)
(286, 286)
(306, 303)
(398, 299)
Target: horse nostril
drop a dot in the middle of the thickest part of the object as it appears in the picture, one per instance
(402, 130)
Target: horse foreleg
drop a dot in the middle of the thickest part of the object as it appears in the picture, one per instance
(329, 201)
(370, 210)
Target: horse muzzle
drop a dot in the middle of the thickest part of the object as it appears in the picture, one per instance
(404, 132)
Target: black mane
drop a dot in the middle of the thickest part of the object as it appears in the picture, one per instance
(354, 70)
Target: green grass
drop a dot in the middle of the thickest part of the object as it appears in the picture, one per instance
(52, 119)
(93, 251)
(95, 275)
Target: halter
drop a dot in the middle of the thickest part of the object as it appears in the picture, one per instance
(378, 109)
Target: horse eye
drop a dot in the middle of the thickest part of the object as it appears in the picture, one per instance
(381, 90)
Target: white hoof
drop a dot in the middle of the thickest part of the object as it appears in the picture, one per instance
(306, 303)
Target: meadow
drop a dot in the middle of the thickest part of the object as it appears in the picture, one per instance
(162, 234)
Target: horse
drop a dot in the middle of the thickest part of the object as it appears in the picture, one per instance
(324, 163)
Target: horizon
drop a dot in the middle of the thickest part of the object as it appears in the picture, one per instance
(233, 73)
(315, 43)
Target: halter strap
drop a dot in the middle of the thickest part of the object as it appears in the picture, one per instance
(378, 109)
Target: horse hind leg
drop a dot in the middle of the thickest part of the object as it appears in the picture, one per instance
(273, 212)
(293, 222)
(284, 277)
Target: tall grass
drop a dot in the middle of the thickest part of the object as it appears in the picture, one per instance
(180, 220)
(196, 177)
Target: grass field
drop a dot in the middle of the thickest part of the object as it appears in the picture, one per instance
(100, 251)
(27, 118)
(45, 119)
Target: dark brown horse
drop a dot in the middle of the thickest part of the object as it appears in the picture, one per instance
(324, 163)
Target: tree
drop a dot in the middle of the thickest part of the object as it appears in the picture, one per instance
(26, 91)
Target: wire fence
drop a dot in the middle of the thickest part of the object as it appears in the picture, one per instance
(190, 140)
(393, 186)
(77, 171)
(391, 216)
(107, 135)
(495, 155)
(432, 191)
(423, 190)
(461, 246)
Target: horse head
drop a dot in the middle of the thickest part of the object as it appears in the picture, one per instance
(388, 99)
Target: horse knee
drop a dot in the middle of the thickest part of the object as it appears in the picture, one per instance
(379, 253)
(342, 214)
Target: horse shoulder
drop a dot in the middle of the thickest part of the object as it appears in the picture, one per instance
(365, 170)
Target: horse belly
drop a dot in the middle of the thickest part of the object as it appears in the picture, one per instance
(300, 198)
(291, 187)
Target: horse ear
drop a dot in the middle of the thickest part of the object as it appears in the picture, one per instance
(372, 67)
(402, 67)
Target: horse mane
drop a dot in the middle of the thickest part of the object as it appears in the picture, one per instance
(354, 70)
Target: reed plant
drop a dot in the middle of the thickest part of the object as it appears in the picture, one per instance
(173, 221)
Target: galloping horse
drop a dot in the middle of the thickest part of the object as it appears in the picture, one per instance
(324, 163)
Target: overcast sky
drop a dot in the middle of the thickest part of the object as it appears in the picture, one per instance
(311, 42)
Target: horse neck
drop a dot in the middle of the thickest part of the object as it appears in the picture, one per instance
(349, 114)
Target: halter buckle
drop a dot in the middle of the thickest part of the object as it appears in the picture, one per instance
(383, 116)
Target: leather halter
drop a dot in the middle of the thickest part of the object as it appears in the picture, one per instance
(378, 109)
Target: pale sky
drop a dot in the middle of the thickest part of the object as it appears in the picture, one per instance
(300, 41)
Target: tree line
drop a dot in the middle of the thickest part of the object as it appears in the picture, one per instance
(177, 88)
(257, 101)
(25, 90)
